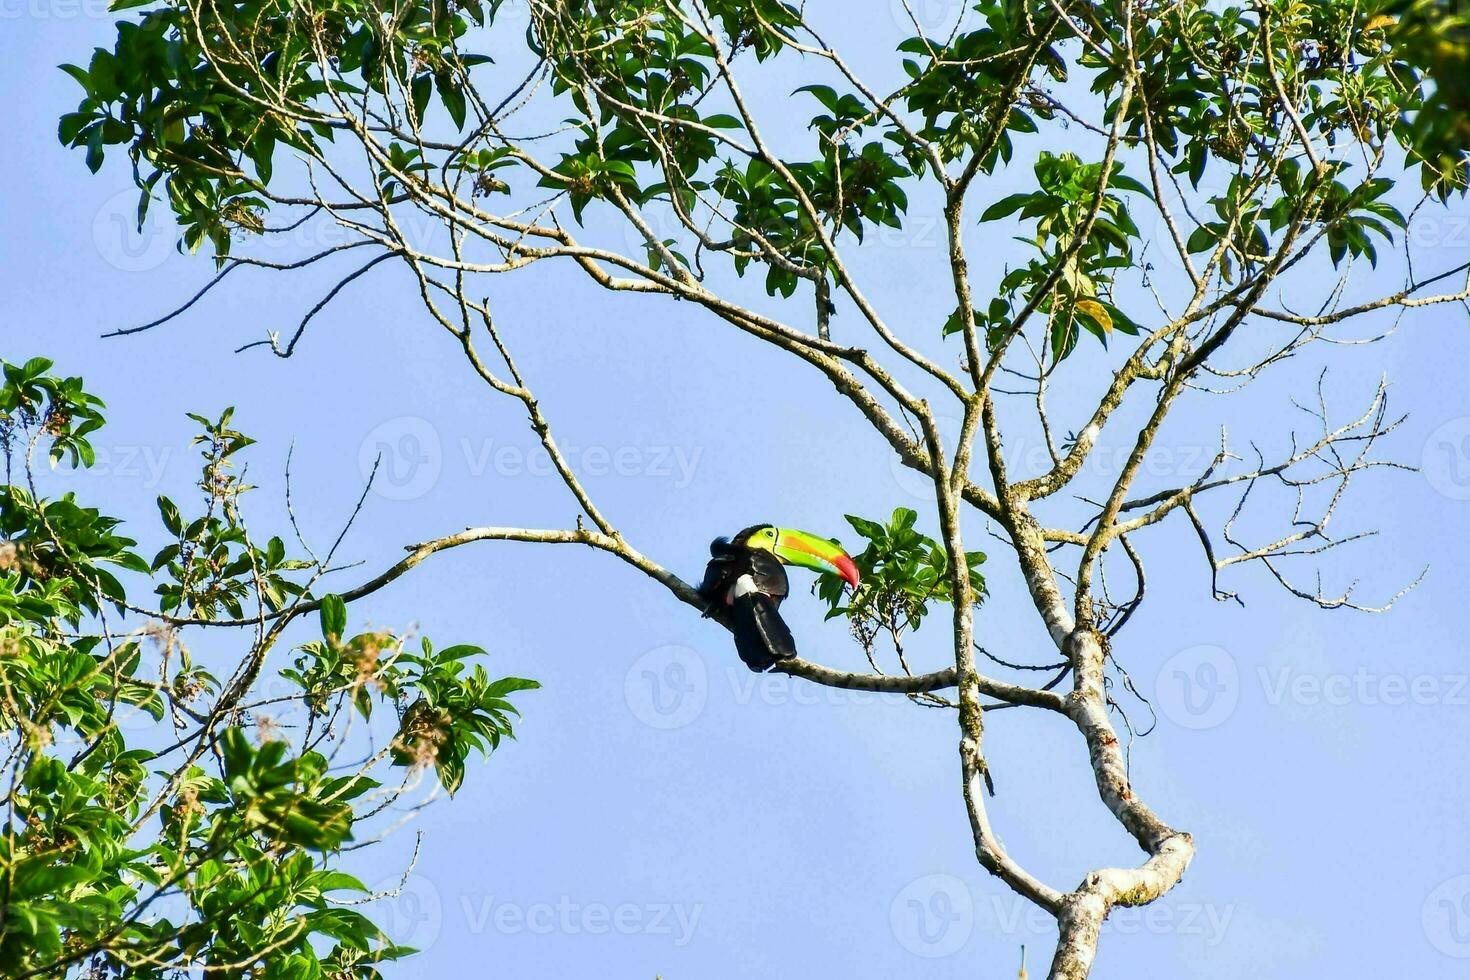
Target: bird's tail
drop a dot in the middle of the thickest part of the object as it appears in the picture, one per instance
(761, 635)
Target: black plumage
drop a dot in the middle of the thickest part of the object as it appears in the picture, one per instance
(752, 584)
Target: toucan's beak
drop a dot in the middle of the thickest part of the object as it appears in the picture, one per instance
(809, 551)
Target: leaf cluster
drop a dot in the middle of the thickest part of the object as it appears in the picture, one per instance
(156, 820)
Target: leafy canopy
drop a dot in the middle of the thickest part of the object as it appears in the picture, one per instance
(205, 98)
(158, 816)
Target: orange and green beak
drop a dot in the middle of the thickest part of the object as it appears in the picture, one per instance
(793, 547)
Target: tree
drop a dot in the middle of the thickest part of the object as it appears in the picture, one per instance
(1219, 160)
(146, 830)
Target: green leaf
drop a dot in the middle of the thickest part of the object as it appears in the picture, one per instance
(1202, 239)
(453, 99)
(509, 685)
(1008, 205)
(459, 652)
(333, 615)
(172, 519)
(422, 88)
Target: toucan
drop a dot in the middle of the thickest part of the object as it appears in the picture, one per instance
(745, 575)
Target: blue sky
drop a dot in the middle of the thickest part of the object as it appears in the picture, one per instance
(666, 812)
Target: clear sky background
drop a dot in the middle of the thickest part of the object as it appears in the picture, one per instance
(665, 811)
